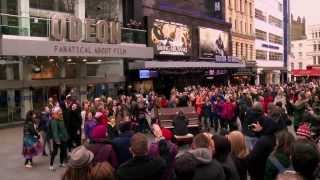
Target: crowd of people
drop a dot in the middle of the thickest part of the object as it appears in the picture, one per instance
(246, 132)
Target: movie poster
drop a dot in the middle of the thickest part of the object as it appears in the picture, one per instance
(170, 38)
(213, 43)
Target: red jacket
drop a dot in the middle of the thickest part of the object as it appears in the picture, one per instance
(228, 111)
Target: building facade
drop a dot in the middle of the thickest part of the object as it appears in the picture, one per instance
(269, 43)
(51, 48)
(192, 46)
(240, 13)
(300, 58)
(298, 28)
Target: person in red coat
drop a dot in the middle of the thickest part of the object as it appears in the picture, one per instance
(228, 114)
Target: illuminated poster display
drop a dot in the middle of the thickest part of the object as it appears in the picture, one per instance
(170, 38)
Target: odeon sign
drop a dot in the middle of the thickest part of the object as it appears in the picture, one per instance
(95, 31)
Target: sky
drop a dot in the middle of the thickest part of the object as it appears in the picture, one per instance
(307, 8)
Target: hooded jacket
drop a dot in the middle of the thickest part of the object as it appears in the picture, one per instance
(207, 168)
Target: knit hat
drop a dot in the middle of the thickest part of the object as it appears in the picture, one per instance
(80, 157)
(304, 130)
(99, 132)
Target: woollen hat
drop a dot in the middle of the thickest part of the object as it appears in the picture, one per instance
(304, 130)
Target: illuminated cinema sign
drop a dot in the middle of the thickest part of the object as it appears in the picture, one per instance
(95, 31)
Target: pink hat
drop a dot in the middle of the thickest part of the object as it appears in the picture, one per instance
(99, 132)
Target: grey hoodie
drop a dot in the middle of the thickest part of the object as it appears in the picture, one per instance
(207, 168)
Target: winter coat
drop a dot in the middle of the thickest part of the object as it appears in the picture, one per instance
(89, 125)
(58, 131)
(154, 152)
(228, 111)
(44, 121)
(257, 158)
(103, 152)
(141, 168)
(121, 146)
(272, 171)
(207, 168)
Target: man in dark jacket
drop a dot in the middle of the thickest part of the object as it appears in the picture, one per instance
(121, 144)
(253, 115)
(257, 158)
(180, 124)
(141, 167)
(74, 126)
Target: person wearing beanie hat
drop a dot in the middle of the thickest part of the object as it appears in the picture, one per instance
(79, 164)
(101, 148)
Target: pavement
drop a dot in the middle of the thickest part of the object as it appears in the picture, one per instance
(12, 161)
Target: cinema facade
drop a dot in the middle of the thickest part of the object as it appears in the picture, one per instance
(75, 47)
(192, 45)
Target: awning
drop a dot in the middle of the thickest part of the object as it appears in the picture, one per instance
(305, 72)
(29, 46)
(181, 64)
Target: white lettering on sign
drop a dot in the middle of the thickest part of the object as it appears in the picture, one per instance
(70, 29)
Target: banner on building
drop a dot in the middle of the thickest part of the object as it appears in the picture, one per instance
(213, 43)
(170, 38)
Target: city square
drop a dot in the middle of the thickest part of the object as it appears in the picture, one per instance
(159, 89)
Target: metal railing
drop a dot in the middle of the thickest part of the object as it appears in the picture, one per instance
(40, 27)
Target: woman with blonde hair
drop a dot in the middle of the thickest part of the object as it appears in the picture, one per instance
(239, 152)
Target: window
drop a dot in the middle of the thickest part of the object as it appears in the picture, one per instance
(230, 19)
(275, 39)
(241, 8)
(314, 47)
(250, 9)
(251, 52)
(274, 56)
(54, 5)
(98, 9)
(241, 50)
(237, 46)
(245, 28)
(318, 59)
(241, 28)
(259, 15)
(275, 21)
(292, 66)
(314, 59)
(300, 54)
(9, 7)
(246, 7)
(316, 35)
(235, 25)
(261, 55)
(318, 47)
(280, 6)
(261, 35)
(247, 53)
(250, 28)
(300, 44)
(230, 4)
(300, 65)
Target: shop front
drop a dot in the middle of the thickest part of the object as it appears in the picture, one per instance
(81, 57)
